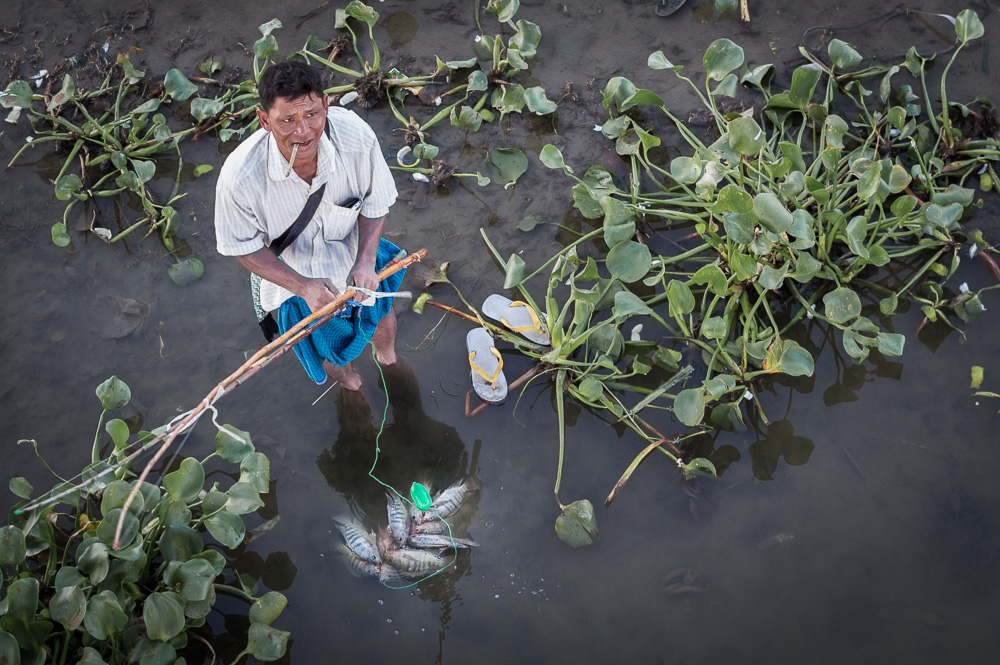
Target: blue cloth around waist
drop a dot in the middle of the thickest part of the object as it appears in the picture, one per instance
(344, 337)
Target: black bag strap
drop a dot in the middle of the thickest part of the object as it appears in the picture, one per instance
(300, 223)
(308, 211)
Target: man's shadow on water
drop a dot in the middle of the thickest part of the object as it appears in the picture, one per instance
(411, 447)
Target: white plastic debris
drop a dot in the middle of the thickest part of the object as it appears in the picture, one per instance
(404, 153)
(973, 250)
(964, 288)
(348, 98)
(29, 139)
(420, 177)
(748, 395)
(636, 335)
(39, 77)
(14, 114)
(102, 232)
(106, 47)
(597, 128)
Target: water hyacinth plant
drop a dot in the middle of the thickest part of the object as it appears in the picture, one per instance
(805, 203)
(116, 134)
(490, 90)
(70, 596)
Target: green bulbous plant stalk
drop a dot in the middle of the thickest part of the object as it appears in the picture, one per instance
(83, 599)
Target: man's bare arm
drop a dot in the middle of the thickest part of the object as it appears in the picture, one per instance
(369, 234)
(316, 292)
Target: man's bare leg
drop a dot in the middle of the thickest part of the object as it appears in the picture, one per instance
(345, 374)
(384, 340)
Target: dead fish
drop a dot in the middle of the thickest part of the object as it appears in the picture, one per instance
(358, 540)
(399, 518)
(447, 502)
(434, 540)
(130, 316)
(432, 526)
(408, 560)
(683, 581)
(384, 541)
(259, 531)
(774, 540)
(418, 517)
(387, 574)
(357, 566)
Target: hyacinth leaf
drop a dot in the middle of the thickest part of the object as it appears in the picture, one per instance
(722, 57)
(266, 643)
(178, 86)
(577, 526)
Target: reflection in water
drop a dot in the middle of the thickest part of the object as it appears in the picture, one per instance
(401, 27)
(779, 441)
(412, 448)
(276, 572)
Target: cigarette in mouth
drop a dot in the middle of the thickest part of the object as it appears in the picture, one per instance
(291, 160)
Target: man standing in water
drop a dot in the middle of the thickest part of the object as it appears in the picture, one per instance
(316, 173)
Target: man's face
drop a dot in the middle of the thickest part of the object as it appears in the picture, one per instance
(296, 121)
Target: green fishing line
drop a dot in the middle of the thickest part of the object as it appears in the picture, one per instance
(421, 498)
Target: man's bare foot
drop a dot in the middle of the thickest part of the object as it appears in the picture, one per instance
(344, 374)
(384, 340)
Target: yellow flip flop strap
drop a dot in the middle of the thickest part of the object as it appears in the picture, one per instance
(536, 324)
(481, 372)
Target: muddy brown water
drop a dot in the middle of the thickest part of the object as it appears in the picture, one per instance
(862, 526)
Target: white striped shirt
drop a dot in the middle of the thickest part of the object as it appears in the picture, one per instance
(256, 202)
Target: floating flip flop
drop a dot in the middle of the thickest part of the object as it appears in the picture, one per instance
(518, 317)
(487, 366)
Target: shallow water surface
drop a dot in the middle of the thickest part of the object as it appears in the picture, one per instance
(862, 525)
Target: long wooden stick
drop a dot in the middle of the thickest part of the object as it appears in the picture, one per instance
(253, 365)
(452, 310)
(471, 411)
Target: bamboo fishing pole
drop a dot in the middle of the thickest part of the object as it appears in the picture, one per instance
(253, 365)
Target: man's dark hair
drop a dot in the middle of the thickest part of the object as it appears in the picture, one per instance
(288, 80)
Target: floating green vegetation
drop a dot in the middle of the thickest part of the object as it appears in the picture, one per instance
(71, 596)
(119, 134)
(809, 203)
